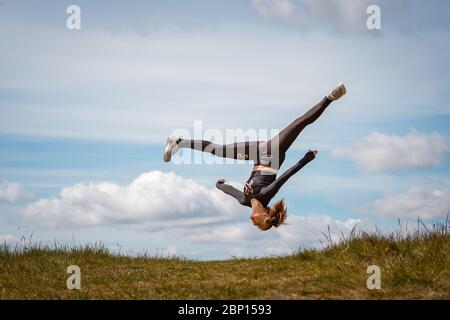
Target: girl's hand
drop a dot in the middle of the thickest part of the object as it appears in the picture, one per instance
(314, 151)
(310, 155)
(221, 181)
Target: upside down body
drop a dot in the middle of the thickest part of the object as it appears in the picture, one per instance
(267, 156)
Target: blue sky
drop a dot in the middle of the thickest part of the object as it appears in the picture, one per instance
(85, 113)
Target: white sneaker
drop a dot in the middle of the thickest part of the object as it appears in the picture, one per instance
(338, 92)
(171, 147)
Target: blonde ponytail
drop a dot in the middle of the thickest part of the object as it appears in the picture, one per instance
(277, 214)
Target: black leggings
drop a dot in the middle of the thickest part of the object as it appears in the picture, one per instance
(270, 153)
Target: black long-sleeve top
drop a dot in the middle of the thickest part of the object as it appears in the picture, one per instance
(263, 187)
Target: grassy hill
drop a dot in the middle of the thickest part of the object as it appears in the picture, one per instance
(413, 267)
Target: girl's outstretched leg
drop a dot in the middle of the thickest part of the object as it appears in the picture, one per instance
(269, 153)
(287, 136)
(247, 150)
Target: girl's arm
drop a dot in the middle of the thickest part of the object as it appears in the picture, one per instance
(235, 193)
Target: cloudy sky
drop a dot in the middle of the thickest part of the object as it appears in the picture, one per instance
(85, 113)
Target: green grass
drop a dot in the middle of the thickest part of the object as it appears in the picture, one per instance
(414, 266)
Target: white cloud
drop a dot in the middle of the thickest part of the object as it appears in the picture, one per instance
(383, 152)
(280, 9)
(413, 203)
(13, 191)
(8, 239)
(309, 229)
(170, 251)
(299, 230)
(154, 200)
(349, 14)
(178, 211)
(222, 72)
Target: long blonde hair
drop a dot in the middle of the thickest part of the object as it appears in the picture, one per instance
(277, 214)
